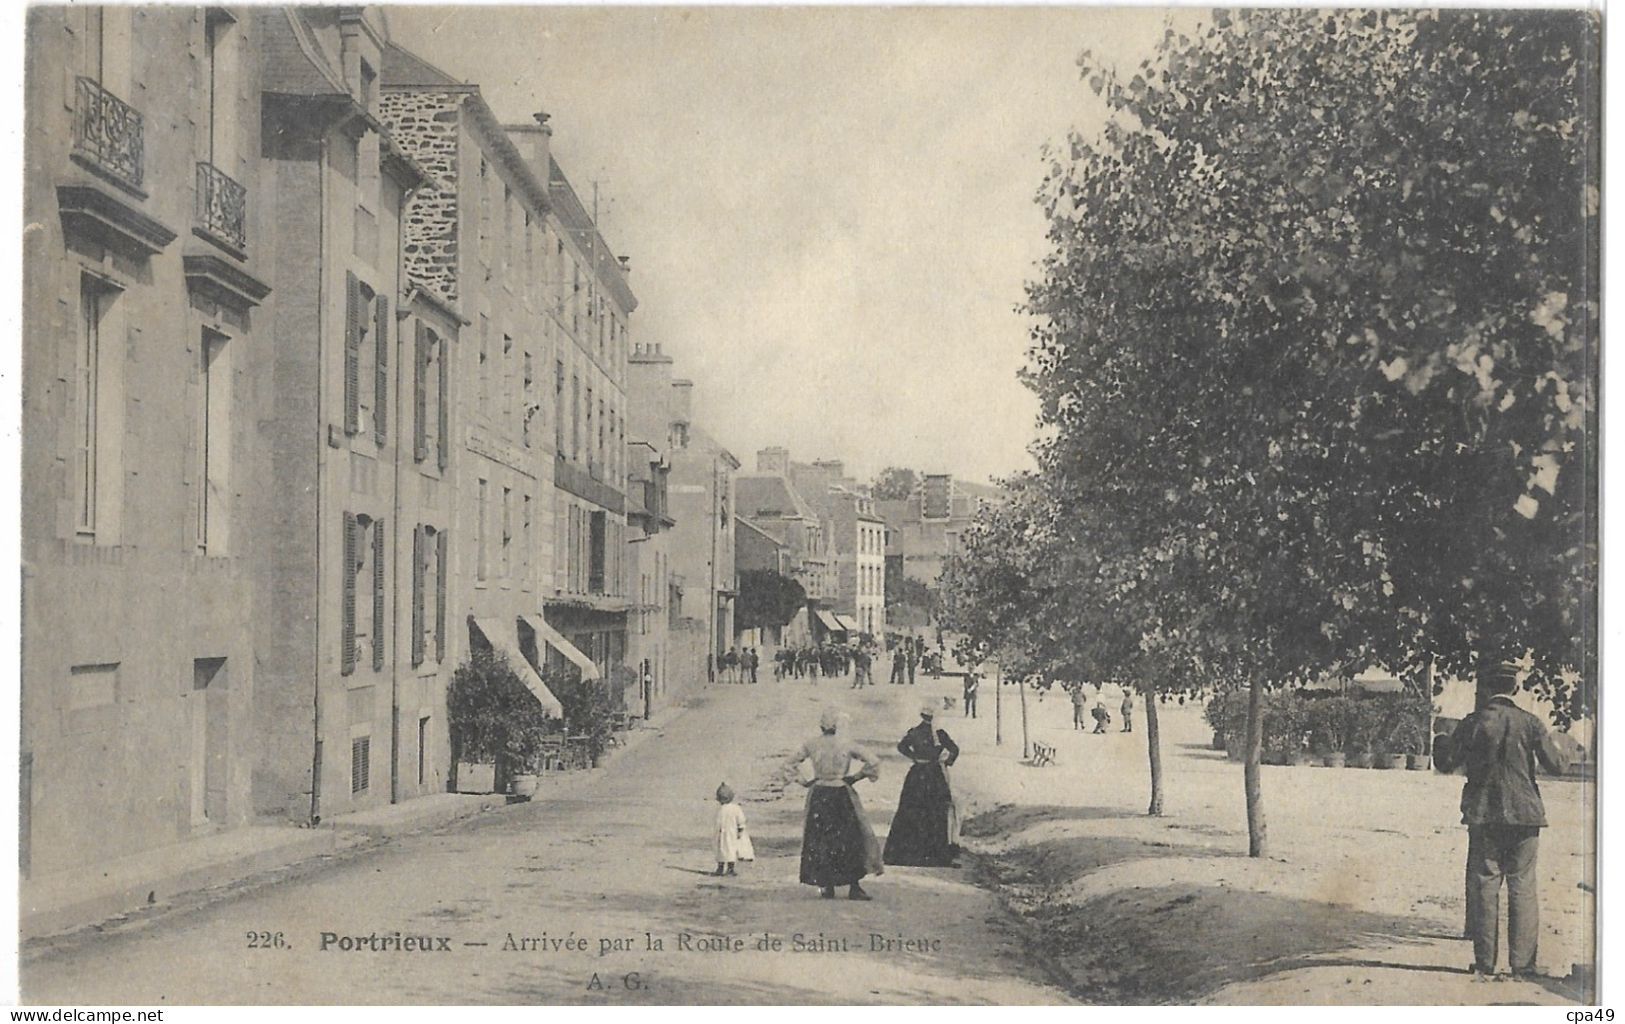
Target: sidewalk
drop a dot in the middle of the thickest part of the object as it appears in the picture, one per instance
(154, 880)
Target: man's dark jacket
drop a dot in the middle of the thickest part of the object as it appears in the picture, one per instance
(1499, 747)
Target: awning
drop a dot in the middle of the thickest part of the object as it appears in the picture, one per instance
(563, 646)
(847, 624)
(830, 621)
(506, 641)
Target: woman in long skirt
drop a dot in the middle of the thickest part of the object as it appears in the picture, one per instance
(921, 834)
(837, 844)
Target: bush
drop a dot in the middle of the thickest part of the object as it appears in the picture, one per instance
(1330, 719)
(587, 709)
(492, 716)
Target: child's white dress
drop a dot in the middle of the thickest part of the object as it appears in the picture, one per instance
(733, 842)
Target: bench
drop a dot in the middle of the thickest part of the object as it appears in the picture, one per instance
(1043, 754)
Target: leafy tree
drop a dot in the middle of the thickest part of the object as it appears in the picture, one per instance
(1315, 353)
(905, 590)
(895, 483)
(767, 599)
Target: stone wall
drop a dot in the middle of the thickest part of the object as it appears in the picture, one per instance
(424, 123)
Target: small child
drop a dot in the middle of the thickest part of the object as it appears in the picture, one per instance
(733, 842)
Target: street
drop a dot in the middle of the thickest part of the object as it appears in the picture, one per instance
(607, 859)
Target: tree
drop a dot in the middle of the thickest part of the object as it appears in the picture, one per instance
(905, 590)
(1320, 323)
(895, 483)
(767, 599)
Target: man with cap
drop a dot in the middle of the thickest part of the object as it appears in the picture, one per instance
(1499, 745)
(920, 833)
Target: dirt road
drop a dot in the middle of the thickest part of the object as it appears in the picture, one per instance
(561, 901)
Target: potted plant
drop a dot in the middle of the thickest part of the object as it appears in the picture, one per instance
(1329, 724)
(1361, 734)
(493, 718)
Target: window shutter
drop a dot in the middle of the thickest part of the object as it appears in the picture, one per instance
(380, 418)
(417, 594)
(352, 354)
(378, 630)
(347, 616)
(420, 397)
(443, 430)
(440, 595)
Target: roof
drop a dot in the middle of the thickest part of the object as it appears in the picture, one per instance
(404, 68)
(753, 528)
(609, 271)
(294, 63)
(762, 493)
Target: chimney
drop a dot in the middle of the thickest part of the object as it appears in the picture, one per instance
(534, 143)
(682, 401)
(773, 460)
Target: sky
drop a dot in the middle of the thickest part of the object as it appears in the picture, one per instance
(829, 212)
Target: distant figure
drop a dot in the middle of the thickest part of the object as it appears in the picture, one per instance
(838, 846)
(973, 683)
(1128, 710)
(920, 832)
(1499, 745)
(911, 654)
(1079, 702)
(1102, 716)
(897, 665)
(753, 661)
(733, 842)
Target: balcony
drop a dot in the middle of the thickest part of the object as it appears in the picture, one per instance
(107, 134)
(222, 207)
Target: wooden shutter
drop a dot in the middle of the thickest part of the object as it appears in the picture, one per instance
(380, 417)
(347, 615)
(440, 595)
(417, 593)
(352, 354)
(420, 396)
(378, 629)
(443, 430)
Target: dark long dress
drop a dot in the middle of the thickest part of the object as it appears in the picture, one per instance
(832, 844)
(919, 831)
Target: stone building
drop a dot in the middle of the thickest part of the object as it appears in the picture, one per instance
(472, 235)
(773, 505)
(648, 563)
(146, 364)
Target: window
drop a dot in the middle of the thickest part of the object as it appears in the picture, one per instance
(480, 514)
(531, 406)
(363, 560)
(91, 701)
(366, 360)
(423, 750)
(360, 764)
(485, 362)
(431, 407)
(485, 208)
(589, 428)
(213, 434)
(98, 428)
(524, 543)
(107, 48)
(507, 532)
(575, 418)
(506, 381)
(507, 227)
(558, 407)
(220, 39)
(428, 594)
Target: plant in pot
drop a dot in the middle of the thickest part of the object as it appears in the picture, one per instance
(587, 709)
(1411, 737)
(1361, 734)
(1328, 730)
(493, 718)
(1398, 733)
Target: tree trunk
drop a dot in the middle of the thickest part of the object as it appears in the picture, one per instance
(1026, 750)
(1153, 742)
(1257, 832)
(998, 710)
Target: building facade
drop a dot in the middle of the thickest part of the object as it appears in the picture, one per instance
(859, 540)
(926, 527)
(146, 362)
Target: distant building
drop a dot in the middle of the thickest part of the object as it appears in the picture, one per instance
(926, 528)
(857, 599)
(702, 504)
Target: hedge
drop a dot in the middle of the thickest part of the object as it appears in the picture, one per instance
(1324, 721)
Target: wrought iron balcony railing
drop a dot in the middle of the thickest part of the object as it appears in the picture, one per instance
(108, 132)
(222, 206)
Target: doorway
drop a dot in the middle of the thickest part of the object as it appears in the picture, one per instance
(208, 710)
